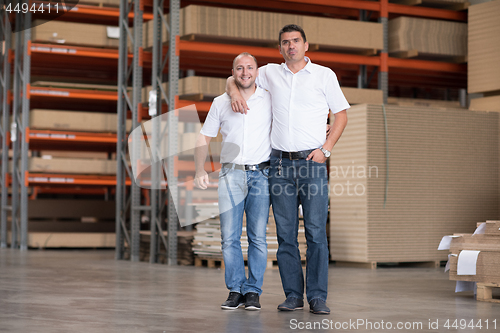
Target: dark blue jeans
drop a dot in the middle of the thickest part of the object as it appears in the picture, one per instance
(305, 182)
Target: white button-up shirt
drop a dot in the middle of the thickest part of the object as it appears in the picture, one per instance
(301, 103)
(245, 138)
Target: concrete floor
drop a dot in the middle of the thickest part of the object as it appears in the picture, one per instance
(88, 291)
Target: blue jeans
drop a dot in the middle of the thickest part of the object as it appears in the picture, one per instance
(244, 191)
(302, 182)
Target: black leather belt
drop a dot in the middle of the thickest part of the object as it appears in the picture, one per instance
(292, 155)
(248, 167)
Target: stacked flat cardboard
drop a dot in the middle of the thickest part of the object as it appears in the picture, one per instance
(69, 33)
(422, 102)
(70, 239)
(74, 121)
(110, 3)
(427, 37)
(488, 259)
(244, 26)
(185, 255)
(207, 240)
(208, 88)
(484, 50)
(392, 200)
(71, 165)
(490, 103)
(194, 87)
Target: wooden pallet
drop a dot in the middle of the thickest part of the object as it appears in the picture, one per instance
(485, 292)
(375, 264)
(216, 262)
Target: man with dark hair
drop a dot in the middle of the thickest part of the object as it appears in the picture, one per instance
(243, 181)
(303, 94)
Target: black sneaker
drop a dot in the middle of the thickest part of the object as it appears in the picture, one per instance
(252, 301)
(291, 304)
(233, 301)
(318, 306)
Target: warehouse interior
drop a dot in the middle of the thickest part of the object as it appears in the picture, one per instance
(98, 232)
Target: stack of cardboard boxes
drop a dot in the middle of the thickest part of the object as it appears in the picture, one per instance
(402, 177)
(484, 49)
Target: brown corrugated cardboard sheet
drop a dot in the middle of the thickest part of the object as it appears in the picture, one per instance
(71, 165)
(74, 121)
(428, 37)
(441, 174)
(246, 26)
(484, 47)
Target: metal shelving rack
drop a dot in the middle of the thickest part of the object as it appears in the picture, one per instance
(60, 61)
(128, 228)
(216, 53)
(5, 71)
(19, 130)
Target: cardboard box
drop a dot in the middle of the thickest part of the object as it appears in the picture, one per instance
(74, 121)
(69, 33)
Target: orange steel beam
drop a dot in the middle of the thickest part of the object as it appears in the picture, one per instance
(73, 93)
(68, 179)
(69, 190)
(93, 11)
(80, 51)
(392, 8)
(427, 65)
(200, 106)
(214, 49)
(426, 12)
(47, 135)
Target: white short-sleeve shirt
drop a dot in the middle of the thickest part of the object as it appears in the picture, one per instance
(249, 134)
(301, 103)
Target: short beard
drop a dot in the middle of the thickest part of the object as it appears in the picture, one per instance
(239, 85)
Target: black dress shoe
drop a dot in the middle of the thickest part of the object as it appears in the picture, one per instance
(318, 306)
(291, 304)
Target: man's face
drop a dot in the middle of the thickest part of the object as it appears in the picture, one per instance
(292, 46)
(245, 72)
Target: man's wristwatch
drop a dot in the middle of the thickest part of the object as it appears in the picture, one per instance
(325, 152)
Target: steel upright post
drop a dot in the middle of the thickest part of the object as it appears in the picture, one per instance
(5, 68)
(383, 75)
(173, 80)
(16, 129)
(135, 218)
(25, 127)
(127, 229)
